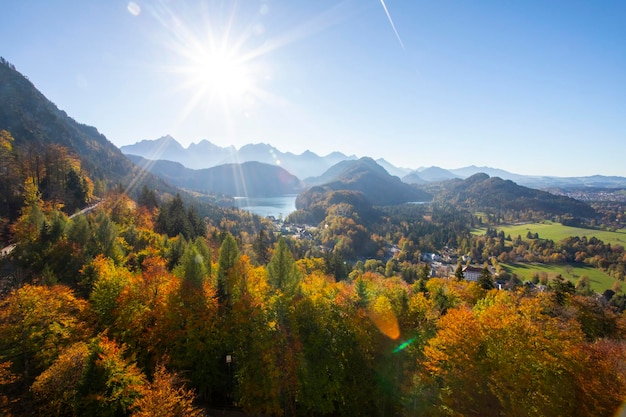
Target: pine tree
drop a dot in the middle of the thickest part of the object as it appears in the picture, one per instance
(458, 272)
(424, 272)
(173, 220)
(282, 272)
(196, 224)
(485, 280)
(178, 222)
(148, 198)
(194, 270)
(229, 253)
(261, 248)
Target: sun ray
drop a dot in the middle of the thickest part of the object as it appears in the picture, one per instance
(223, 59)
(211, 60)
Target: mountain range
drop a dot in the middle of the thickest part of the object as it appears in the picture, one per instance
(434, 174)
(309, 166)
(207, 155)
(36, 122)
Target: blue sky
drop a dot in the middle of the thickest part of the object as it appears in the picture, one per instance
(533, 87)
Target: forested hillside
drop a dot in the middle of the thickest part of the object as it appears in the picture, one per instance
(35, 122)
(366, 177)
(39, 128)
(480, 192)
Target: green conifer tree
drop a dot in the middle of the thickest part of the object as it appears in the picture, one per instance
(229, 253)
(282, 272)
(485, 280)
(458, 272)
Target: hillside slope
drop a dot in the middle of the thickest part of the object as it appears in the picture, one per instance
(482, 192)
(35, 122)
(367, 177)
(251, 179)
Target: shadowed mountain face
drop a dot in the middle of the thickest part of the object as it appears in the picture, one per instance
(368, 178)
(35, 122)
(250, 179)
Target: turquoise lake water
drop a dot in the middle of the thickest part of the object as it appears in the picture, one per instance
(269, 206)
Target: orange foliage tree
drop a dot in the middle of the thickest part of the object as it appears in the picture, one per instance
(141, 305)
(507, 357)
(165, 396)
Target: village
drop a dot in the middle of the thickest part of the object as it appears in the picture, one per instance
(441, 265)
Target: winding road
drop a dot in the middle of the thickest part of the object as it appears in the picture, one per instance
(6, 251)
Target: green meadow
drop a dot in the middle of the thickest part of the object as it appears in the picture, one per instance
(557, 232)
(599, 280)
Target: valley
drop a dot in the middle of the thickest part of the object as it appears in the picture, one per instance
(132, 283)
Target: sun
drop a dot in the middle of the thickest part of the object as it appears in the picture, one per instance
(220, 74)
(217, 63)
(215, 73)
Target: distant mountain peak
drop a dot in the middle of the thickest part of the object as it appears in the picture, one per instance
(479, 176)
(430, 174)
(337, 154)
(259, 145)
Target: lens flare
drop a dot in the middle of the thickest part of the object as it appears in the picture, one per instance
(382, 315)
(134, 9)
(404, 345)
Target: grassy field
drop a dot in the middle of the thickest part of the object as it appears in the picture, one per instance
(558, 232)
(599, 280)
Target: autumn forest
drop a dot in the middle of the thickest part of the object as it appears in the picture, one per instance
(145, 307)
(121, 295)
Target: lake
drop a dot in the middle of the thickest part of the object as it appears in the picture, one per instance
(268, 206)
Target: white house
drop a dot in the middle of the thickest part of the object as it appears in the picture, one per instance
(471, 273)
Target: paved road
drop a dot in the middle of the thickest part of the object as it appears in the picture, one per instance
(86, 210)
(6, 251)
